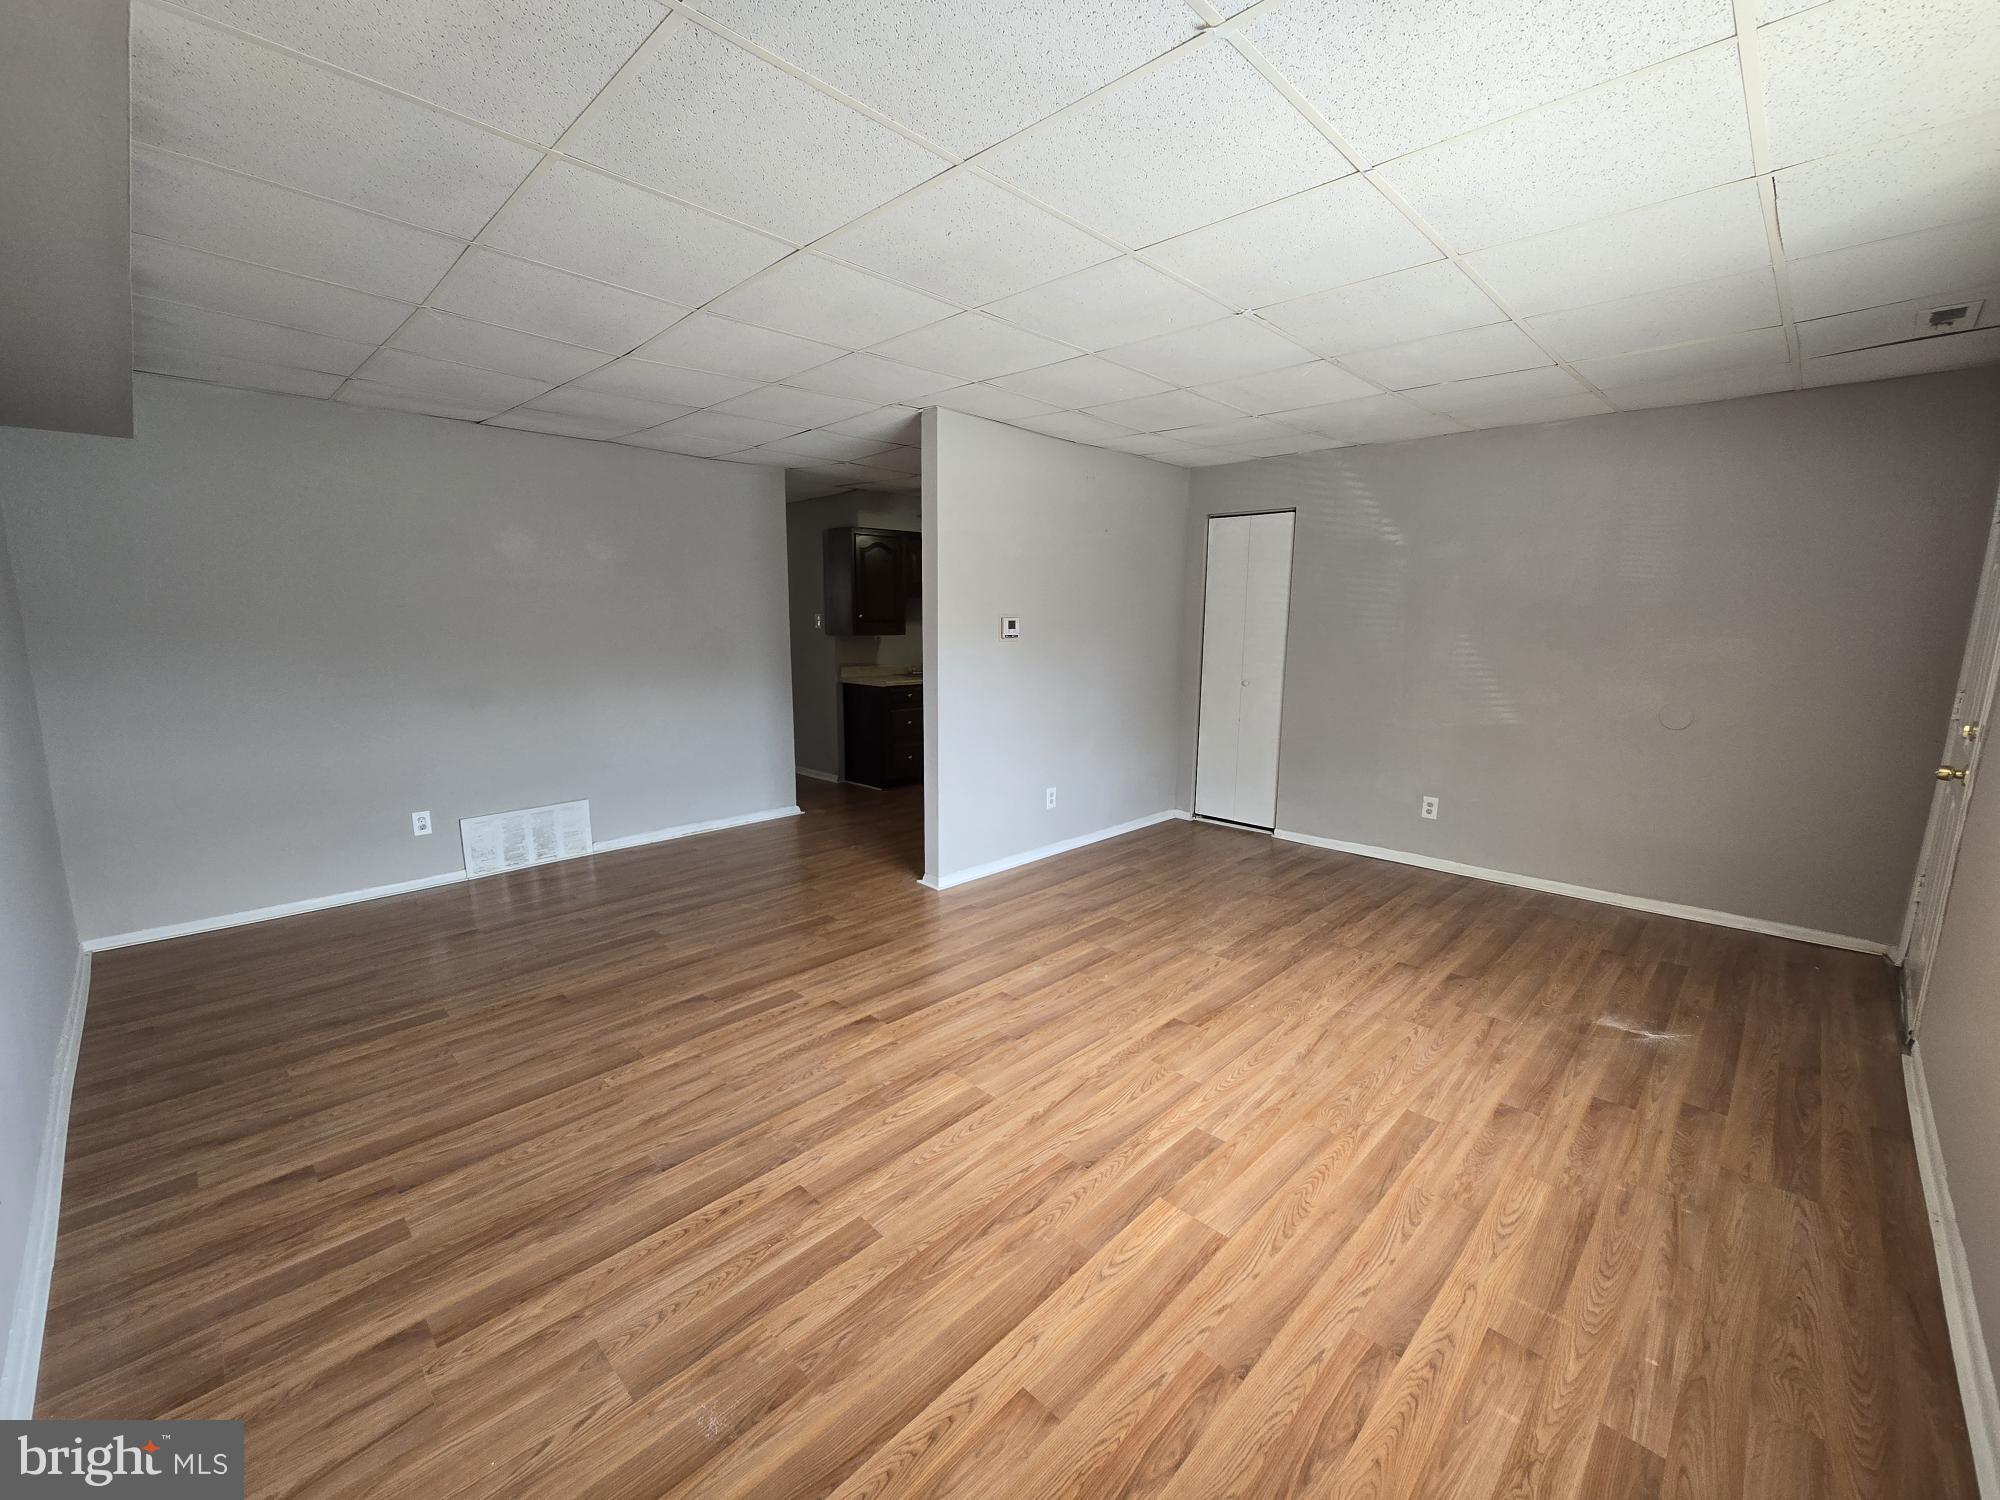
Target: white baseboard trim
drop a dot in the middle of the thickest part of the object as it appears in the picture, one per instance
(808, 771)
(270, 913)
(1586, 893)
(688, 830)
(1047, 851)
(1961, 1312)
(25, 1319)
(405, 887)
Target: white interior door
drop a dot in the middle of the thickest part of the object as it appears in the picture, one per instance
(1958, 768)
(1244, 610)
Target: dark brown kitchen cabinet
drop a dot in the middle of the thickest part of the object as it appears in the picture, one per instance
(883, 730)
(870, 576)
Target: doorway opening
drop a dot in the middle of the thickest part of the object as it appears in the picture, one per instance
(1246, 600)
(855, 569)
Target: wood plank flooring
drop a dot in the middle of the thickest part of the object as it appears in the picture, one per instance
(1190, 1164)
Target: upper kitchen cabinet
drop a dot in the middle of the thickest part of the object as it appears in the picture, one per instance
(870, 575)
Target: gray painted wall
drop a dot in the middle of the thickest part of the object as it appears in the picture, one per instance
(818, 657)
(1513, 621)
(1088, 548)
(269, 629)
(38, 957)
(65, 280)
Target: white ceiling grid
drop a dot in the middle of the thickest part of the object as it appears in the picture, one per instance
(772, 230)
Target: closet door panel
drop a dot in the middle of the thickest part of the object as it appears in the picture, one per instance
(1267, 601)
(1222, 635)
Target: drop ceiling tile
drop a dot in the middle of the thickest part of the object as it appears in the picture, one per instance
(1892, 323)
(465, 342)
(794, 408)
(721, 427)
(869, 377)
(558, 424)
(1000, 406)
(1776, 10)
(959, 74)
(1951, 351)
(625, 413)
(1145, 444)
(199, 330)
(1109, 304)
(1078, 427)
(1754, 348)
(1085, 381)
(904, 460)
(424, 403)
(1710, 385)
(1167, 409)
(891, 424)
(1674, 316)
(1701, 237)
(248, 374)
(1432, 299)
(1324, 237)
(1395, 76)
(968, 240)
(816, 298)
(1671, 130)
(818, 447)
(1922, 181)
(583, 221)
(1283, 447)
(1212, 351)
(701, 118)
(1198, 138)
(217, 96)
(1372, 419)
(1208, 458)
(463, 384)
(974, 346)
(1287, 389)
(1235, 433)
(667, 440)
(1844, 75)
(1947, 262)
(175, 273)
(551, 304)
(646, 381)
(206, 208)
(1470, 352)
(527, 66)
(1520, 396)
(705, 342)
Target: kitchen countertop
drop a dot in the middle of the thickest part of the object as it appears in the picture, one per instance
(881, 677)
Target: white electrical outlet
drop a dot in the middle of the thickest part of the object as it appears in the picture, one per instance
(1430, 807)
(1050, 796)
(420, 823)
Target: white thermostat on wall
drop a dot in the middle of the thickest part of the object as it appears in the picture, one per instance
(1010, 627)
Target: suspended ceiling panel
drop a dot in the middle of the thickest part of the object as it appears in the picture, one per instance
(771, 231)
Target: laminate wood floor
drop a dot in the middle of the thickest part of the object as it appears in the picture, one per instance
(1189, 1164)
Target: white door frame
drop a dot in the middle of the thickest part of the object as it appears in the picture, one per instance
(1930, 890)
(1201, 650)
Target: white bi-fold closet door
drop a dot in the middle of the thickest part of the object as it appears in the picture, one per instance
(1243, 667)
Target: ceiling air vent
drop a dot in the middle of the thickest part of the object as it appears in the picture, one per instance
(528, 836)
(1948, 318)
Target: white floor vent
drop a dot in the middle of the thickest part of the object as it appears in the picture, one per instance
(527, 836)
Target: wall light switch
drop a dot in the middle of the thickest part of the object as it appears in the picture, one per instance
(420, 823)
(1010, 627)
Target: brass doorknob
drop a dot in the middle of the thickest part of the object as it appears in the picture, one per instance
(1951, 773)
